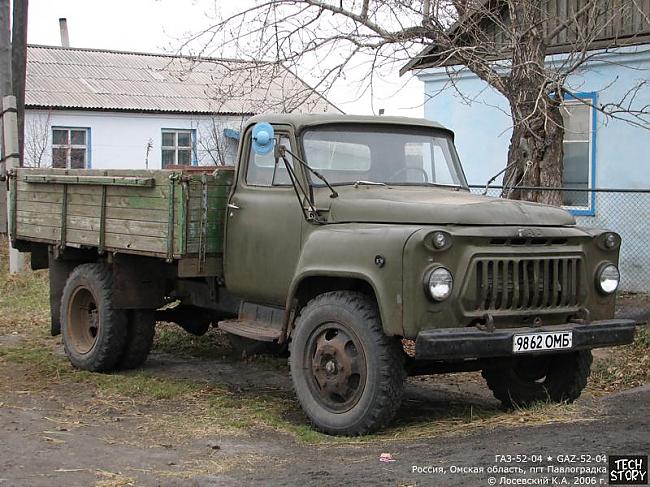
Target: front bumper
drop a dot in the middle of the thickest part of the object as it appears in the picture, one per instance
(470, 342)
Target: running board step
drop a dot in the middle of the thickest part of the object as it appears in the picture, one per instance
(256, 330)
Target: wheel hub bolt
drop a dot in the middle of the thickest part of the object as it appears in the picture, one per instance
(330, 367)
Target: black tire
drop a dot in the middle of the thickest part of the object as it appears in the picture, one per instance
(337, 331)
(247, 347)
(139, 338)
(94, 334)
(556, 378)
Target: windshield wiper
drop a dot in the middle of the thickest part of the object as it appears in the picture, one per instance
(429, 183)
(367, 183)
(445, 185)
(310, 213)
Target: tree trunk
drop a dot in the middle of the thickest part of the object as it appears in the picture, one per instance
(535, 155)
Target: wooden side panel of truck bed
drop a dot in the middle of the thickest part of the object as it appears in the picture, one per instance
(159, 213)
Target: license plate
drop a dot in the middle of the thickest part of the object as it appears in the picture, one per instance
(534, 342)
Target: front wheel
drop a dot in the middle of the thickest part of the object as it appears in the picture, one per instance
(556, 378)
(347, 374)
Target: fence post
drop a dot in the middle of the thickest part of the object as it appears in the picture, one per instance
(12, 161)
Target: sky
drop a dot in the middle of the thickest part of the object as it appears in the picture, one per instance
(158, 26)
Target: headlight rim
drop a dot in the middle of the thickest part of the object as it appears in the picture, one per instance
(426, 283)
(599, 272)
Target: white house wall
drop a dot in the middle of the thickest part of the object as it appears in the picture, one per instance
(118, 140)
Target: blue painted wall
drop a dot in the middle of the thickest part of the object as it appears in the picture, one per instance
(621, 157)
(481, 118)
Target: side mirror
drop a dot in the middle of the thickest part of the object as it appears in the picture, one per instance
(263, 138)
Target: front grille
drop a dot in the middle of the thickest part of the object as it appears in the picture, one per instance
(527, 283)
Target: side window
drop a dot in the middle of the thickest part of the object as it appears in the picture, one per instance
(262, 170)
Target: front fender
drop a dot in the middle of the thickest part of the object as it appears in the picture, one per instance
(350, 251)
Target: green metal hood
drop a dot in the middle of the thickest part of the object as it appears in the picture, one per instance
(427, 205)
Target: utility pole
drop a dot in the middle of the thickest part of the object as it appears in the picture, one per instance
(5, 89)
(5, 48)
(17, 262)
(14, 61)
(19, 67)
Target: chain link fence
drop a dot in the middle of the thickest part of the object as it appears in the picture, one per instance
(625, 211)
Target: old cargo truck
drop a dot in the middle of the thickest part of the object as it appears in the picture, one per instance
(344, 237)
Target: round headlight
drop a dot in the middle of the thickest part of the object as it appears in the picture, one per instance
(439, 240)
(608, 278)
(610, 240)
(439, 283)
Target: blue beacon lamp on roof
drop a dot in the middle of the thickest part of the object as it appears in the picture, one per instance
(263, 138)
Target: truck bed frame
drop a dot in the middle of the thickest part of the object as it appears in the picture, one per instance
(175, 215)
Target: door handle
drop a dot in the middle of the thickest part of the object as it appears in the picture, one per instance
(233, 206)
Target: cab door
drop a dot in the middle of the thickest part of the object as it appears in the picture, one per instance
(263, 226)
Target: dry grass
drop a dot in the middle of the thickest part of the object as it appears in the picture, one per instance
(24, 298)
(624, 368)
(110, 479)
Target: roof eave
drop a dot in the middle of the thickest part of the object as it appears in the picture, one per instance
(413, 63)
(31, 106)
(421, 62)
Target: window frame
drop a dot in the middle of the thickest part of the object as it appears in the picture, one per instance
(579, 98)
(464, 185)
(279, 134)
(194, 157)
(69, 145)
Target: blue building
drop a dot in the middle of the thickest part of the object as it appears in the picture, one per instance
(599, 152)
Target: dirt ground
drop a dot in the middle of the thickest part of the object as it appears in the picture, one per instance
(59, 427)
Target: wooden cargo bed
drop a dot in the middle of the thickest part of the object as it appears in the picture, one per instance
(170, 214)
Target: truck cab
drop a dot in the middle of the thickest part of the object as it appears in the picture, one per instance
(353, 241)
(364, 232)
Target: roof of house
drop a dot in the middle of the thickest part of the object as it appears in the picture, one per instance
(97, 79)
(620, 23)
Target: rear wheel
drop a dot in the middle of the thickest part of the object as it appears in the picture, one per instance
(94, 334)
(556, 378)
(348, 375)
(139, 340)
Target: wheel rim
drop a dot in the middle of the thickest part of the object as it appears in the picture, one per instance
(83, 320)
(336, 364)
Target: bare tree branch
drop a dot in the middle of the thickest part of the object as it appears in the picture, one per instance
(37, 139)
(504, 43)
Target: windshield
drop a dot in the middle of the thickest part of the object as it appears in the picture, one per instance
(383, 154)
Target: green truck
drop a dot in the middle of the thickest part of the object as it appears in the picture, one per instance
(352, 241)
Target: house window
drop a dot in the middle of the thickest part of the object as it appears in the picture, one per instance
(579, 131)
(177, 147)
(70, 147)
